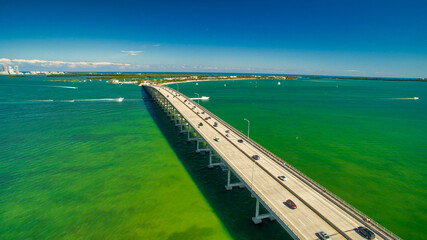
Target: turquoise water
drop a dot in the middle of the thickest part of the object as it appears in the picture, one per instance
(101, 169)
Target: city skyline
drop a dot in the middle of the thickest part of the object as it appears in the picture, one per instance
(380, 39)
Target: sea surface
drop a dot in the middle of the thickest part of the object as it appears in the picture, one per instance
(75, 163)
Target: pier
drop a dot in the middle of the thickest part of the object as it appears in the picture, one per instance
(258, 170)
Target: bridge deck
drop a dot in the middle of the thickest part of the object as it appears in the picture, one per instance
(315, 211)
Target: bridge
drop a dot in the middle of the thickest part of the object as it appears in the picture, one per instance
(260, 171)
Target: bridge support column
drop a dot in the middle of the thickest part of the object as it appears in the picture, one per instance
(229, 185)
(259, 217)
(212, 164)
(189, 138)
(198, 150)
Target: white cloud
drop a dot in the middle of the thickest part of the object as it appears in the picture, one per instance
(351, 70)
(156, 45)
(133, 53)
(47, 63)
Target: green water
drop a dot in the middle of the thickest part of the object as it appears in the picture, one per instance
(96, 169)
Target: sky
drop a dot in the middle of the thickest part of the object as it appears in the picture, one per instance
(309, 37)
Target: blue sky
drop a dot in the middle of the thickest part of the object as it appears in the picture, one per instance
(354, 38)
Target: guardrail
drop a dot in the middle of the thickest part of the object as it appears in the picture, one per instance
(281, 162)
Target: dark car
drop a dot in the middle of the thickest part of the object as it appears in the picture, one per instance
(240, 140)
(227, 131)
(366, 233)
(255, 157)
(290, 204)
(207, 118)
(200, 124)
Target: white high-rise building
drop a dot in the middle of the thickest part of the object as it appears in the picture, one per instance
(17, 69)
(11, 71)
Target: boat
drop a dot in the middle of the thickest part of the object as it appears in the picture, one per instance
(201, 98)
(120, 99)
(278, 83)
(416, 98)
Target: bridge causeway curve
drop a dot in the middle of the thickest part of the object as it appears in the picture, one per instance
(317, 208)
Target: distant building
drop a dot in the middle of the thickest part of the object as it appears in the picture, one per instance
(11, 71)
(17, 70)
(4, 69)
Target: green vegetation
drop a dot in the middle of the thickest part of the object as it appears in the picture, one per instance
(160, 78)
(17, 75)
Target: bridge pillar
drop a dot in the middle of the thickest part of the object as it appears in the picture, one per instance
(212, 164)
(198, 150)
(229, 185)
(189, 138)
(259, 217)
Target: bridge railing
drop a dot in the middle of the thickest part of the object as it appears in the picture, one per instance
(281, 162)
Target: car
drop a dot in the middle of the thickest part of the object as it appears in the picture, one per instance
(366, 233)
(207, 118)
(185, 100)
(228, 135)
(203, 112)
(215, 124)
(290, 204)
(283, 178)
(255, 157)
(200, 124)
(240, 140)
(323, 236)
(216, 139)
(227, 131)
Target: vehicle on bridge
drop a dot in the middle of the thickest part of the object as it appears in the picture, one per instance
(240, 140)
(366, 233)
(217, 139)
(290, 204)
(283, 178)
(323, 236)
(255, 157)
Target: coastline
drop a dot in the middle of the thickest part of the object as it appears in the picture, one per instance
(207, 80)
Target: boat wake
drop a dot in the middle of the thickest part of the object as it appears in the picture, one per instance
(100, 100)
(410, 98)
(83, 100)
(64, 87)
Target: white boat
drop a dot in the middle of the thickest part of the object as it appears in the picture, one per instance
(120, 99)
(278, 83)
(416, 98)
(201, 98)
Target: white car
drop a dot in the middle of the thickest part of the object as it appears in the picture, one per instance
(283, 178)
(324, 236)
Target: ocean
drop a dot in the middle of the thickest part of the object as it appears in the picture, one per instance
(78, 164)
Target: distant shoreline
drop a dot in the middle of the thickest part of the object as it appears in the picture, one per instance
(206, 80)
(170, 78)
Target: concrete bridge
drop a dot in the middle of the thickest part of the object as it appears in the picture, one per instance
(318, 210)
